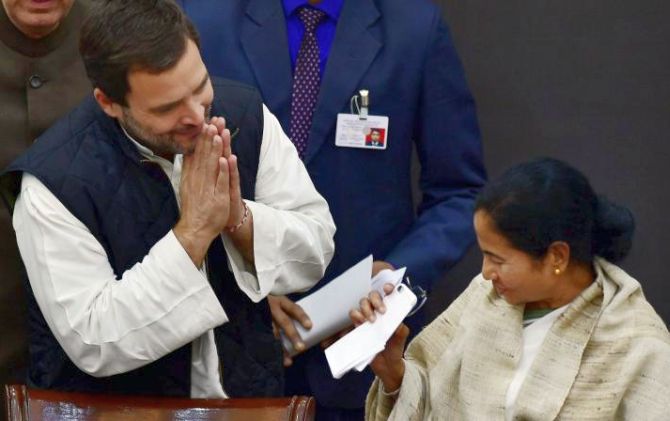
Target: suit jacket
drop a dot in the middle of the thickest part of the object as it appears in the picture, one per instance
(402, 53)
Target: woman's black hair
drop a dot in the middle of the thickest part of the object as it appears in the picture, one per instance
(536, 203)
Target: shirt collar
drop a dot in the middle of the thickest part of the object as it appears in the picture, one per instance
(332, 8)
(144, 151)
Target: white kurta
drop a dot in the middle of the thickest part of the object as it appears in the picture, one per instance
(108, 326)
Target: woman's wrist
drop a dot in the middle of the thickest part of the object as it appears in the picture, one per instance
(391, 394)
(393, 380)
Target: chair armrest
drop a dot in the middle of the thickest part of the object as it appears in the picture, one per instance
(24, 404)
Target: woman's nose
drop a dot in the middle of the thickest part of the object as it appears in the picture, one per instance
(488, 271)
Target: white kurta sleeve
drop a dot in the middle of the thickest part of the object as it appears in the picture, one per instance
(107, 325)
(293, 228)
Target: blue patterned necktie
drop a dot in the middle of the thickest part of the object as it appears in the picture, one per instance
(306, 80)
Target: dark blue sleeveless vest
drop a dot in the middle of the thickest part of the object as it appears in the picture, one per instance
(128, 204)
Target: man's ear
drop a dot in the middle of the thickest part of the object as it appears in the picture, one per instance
(110, 107)
(558, 254)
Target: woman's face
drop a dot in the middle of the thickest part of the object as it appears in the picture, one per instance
(516, 276)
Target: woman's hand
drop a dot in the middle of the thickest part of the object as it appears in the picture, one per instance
(388, 365)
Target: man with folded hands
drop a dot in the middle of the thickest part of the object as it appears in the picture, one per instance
(155, 218)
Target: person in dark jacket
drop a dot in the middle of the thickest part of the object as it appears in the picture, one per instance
(155, 218)
(313, 61)
(42, 77)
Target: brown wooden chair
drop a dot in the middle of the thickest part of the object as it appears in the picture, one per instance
(25, 404)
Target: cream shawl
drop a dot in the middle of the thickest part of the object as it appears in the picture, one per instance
(607, 357)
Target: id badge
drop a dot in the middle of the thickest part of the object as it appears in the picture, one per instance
(369, 133)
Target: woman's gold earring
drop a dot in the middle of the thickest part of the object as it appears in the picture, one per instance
(557, 271)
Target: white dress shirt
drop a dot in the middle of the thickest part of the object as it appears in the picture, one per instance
(109, 326)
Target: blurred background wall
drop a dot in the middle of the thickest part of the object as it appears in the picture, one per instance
(584, 81)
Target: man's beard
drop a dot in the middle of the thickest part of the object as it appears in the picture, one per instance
(159, 144)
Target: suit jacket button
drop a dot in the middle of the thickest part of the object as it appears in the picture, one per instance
(35, 81)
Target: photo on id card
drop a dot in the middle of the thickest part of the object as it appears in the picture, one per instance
(369, 133)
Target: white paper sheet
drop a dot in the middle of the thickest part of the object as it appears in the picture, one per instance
(359, 347)
(387, 276)
(329, 307)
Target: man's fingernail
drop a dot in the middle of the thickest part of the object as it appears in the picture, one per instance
(300, 346)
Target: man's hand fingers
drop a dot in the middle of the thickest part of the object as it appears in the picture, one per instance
(285, 323)
(188, 161)
(203, 149)
(213, 166)
(288, 361)
(235, 190)
(219, 123)
(222, 180)
(296, 312)
(210, 132)
(284, 320)
(227, 143)
(194, 158)
(284, 312)
(234, 173)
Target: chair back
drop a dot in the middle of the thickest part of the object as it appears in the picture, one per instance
(24, 404)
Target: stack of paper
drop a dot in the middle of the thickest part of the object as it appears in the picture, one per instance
(359, 347)
(329, 307)
(387, 276)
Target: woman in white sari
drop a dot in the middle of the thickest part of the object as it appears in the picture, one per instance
(551, 328)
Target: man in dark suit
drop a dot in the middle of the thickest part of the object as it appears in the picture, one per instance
(375, 138)
(400, 52)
